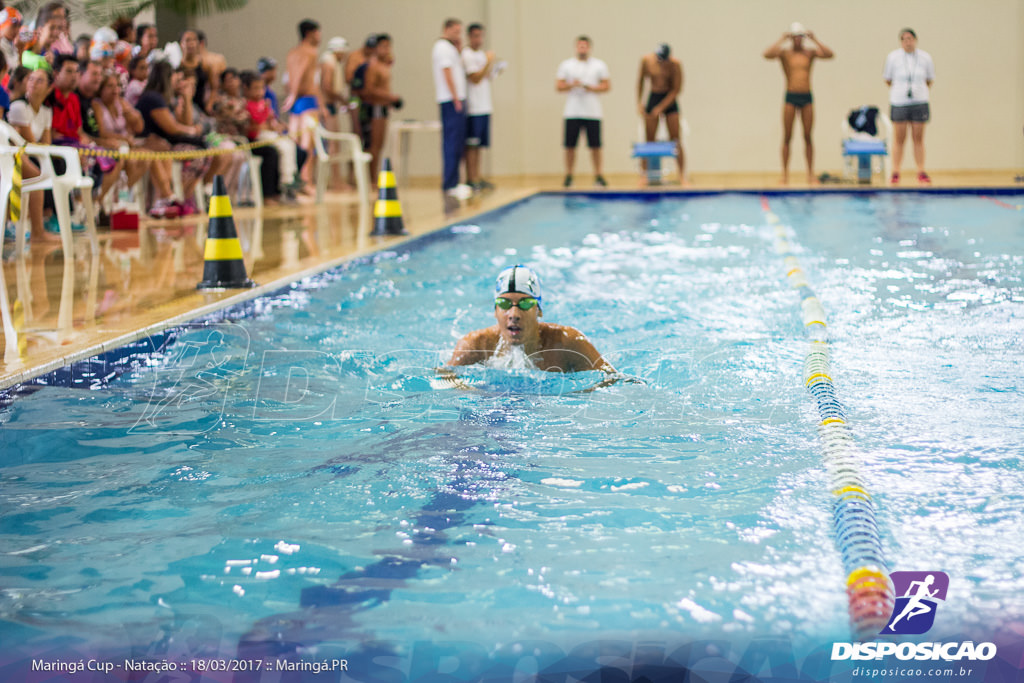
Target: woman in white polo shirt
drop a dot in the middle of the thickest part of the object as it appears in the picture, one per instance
(909, 73)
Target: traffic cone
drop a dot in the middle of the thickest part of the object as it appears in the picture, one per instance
(224, 267)
(387, 212)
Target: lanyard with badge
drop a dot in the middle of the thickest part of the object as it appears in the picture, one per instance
(910, 74)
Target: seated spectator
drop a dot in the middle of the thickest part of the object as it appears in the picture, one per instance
(227, 165)
(67, 110)
(267, 69)
(5, 99)
(124, 28)
(228, 106)
(16, 83)
(163, 131)
(10, 36)
(82, 45)
(263, 125)
(119, 124)
(32, 119)
(138, 72)
(44, 48)
(62, 45)
(90, 74)
(148, 40)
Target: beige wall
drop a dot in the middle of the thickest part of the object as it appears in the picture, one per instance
(732, 97)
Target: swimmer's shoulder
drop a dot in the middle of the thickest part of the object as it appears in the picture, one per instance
(475, 346)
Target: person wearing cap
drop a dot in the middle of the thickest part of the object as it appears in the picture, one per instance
(266, 67)
(517, 313)
(797, 60)
(332, 78)
(909, 73)
(10, 36)
(583, 78)
(332, 83)
(665, 74)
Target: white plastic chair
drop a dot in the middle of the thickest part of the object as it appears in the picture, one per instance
(877, 157)
(351, 147)
(62, 186)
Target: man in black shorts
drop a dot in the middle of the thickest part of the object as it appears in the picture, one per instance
(583, 78)
(666, 76)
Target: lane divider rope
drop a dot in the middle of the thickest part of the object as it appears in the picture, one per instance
(869, 591)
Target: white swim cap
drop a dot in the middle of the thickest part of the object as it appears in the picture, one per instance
(518, 278)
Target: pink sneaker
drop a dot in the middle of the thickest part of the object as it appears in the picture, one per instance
(187, 207)
(923, 178)
(163, 208)
(895, 179)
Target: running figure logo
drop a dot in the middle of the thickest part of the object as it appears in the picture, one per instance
(914, 612)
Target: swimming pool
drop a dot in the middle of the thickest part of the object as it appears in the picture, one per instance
(290, 480)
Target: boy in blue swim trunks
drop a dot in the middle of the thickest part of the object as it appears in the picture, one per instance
(304, 101)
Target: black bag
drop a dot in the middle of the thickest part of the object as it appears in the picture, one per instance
(864, 120)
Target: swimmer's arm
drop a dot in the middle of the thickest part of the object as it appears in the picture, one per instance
(775, 49)
(823, 51)
(580, 348)
(327, 82)
(640, 87)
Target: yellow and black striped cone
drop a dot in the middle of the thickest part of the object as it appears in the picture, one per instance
(387, 212)
(224, 267)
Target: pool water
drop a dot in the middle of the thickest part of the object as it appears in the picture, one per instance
(295, 473)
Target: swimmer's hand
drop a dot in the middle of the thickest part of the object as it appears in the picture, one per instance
(611, 378)
(448, 379)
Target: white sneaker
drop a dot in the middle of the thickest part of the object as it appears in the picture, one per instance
(461, 191)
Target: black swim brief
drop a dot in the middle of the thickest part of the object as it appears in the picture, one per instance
(655, 98)
(799, 99)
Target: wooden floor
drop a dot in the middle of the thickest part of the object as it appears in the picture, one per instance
(132, 283)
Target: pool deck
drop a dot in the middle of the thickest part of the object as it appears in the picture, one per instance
(139, 282)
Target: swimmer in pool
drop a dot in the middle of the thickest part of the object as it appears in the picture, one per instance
(519, 331)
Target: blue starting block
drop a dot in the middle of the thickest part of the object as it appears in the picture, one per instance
(653, 152)
(864, 150)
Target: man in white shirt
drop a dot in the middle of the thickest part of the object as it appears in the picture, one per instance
(583, 78)
(450, 88)
(480, 71)
(909, 73)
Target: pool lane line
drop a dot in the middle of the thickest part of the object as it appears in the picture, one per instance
(857, 537)
(999, 202)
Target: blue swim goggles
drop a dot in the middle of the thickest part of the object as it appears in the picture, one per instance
(524, 304)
